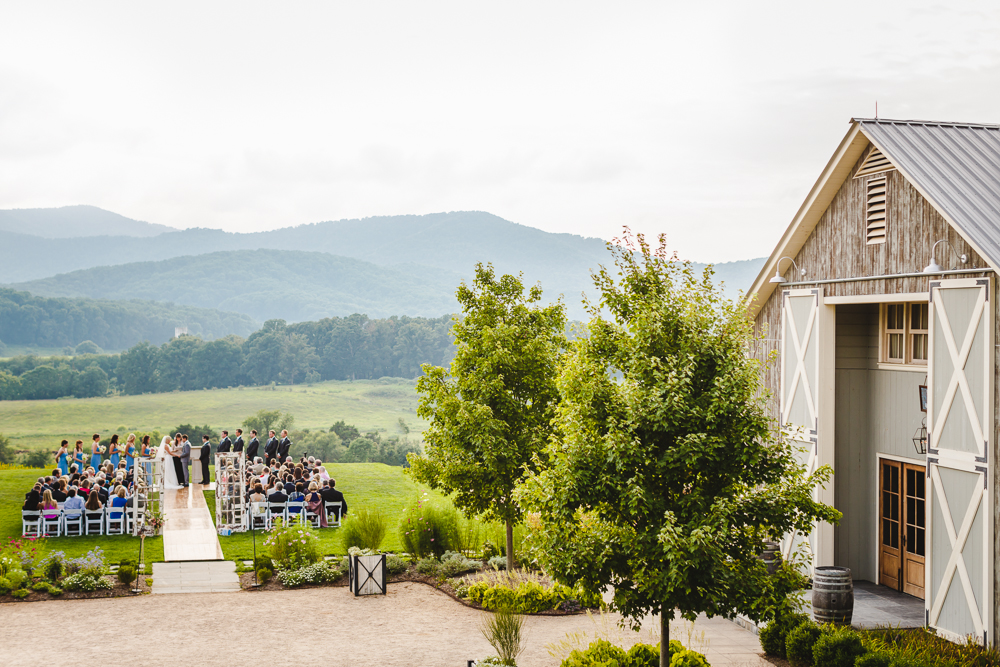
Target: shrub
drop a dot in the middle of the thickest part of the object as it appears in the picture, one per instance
(799, 644)
(91, 564)
(428, 567)
(498, 562)
(47, 587)
(292, 546)
(16, 578)
(772, 638)
(364, 529)
(264, 574)
(875, 659)
(21, 593)
(504, 630)
(86, 581)
(36, 458)
(126, 574)
(601, 653)
(838, 649)
(454, 564)
(316, 573)
(263, 561)
(490, 550)
(52, 566)
(525, 597)
(688, 658)
(395, 565)
(428, 530)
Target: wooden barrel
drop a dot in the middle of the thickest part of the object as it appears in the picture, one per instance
(833, 595)
(771, 556)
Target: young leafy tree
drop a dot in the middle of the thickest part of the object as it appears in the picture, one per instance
(490, 414)
(665, 477)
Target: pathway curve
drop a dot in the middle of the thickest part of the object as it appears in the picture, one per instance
(189, 532)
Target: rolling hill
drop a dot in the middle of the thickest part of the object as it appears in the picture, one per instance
(266, 284)
(75, 221)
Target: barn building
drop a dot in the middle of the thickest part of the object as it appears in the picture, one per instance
(880, 301)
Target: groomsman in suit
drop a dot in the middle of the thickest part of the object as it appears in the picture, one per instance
(238, 445)
(226, 445)
(253, 446)
(206, 451)
(286, 444)
(271, 451)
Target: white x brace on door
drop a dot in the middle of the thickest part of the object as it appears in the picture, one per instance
(807, 385)
(959, 572)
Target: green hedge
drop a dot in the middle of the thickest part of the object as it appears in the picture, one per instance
(528, 597)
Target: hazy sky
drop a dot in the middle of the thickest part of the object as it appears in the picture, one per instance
(707, 122)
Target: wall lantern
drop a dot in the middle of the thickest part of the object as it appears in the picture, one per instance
(920, 438)
(778, 279)
(934, 267)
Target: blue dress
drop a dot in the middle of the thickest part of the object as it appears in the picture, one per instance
(129, 458)
(116, 502)
(115, 458)
(95, 460)
(79, 458)
(64, 463)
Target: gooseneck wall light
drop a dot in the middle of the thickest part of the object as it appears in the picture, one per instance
(778, 279)
(934, 267)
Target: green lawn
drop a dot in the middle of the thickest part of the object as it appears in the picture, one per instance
(15, 483)
(368, 404)
(372, 485)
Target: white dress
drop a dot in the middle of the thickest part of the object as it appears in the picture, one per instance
(167, 465)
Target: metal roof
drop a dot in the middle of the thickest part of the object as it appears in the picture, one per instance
(956, 166)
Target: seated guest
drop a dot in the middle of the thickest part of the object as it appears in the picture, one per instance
(332, 495)
(118, 501)
(323, 474)
(296, 496)
(258, 494)
(102, 492)
(94, 501)
(74, 504)
(32, 498)
(49, 507)
(314, 502)
(258, 465)
(59, 491)
(277, 498)
(289, 486)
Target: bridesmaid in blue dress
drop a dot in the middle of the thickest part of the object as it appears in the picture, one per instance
(114, 452)
(95, 453)
(63, 456)
(145, 451)
(130, 451)
(78, 456)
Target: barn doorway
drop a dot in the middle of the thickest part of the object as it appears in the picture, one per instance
(902, 526)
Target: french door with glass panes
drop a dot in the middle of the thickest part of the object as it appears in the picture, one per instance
(902, 525)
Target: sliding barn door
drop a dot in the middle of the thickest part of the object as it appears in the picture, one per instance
(807, 385)
(960, 426)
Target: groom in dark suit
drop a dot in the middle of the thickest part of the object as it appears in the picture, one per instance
(206, 452)
(238, 444)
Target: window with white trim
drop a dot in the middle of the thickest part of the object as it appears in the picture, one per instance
(904, 334)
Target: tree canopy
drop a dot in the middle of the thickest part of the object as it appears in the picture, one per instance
(665, 475)
(490, 411)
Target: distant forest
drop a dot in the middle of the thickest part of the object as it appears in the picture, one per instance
(26, 319)
(354, 347)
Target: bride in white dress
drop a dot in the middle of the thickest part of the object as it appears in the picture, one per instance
(167, 463)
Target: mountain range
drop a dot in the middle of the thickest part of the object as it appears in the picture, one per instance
(380, 266)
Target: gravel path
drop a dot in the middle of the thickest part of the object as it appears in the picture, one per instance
(413, 625)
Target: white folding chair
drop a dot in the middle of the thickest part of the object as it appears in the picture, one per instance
(333, 510)
(95, 522)
(52, 524)
(260, 515)
(130, 521)
(73, 525)
(115, 525)
(31, 523)
(314, 518)
(277, 511)
(295, 510)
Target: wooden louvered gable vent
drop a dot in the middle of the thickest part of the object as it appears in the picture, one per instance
(874, 163)
(875, 209)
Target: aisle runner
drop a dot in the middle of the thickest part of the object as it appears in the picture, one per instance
(213, 576)
(189, 532)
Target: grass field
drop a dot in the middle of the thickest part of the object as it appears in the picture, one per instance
(15, 483)
(368, 404)
(371, 485)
